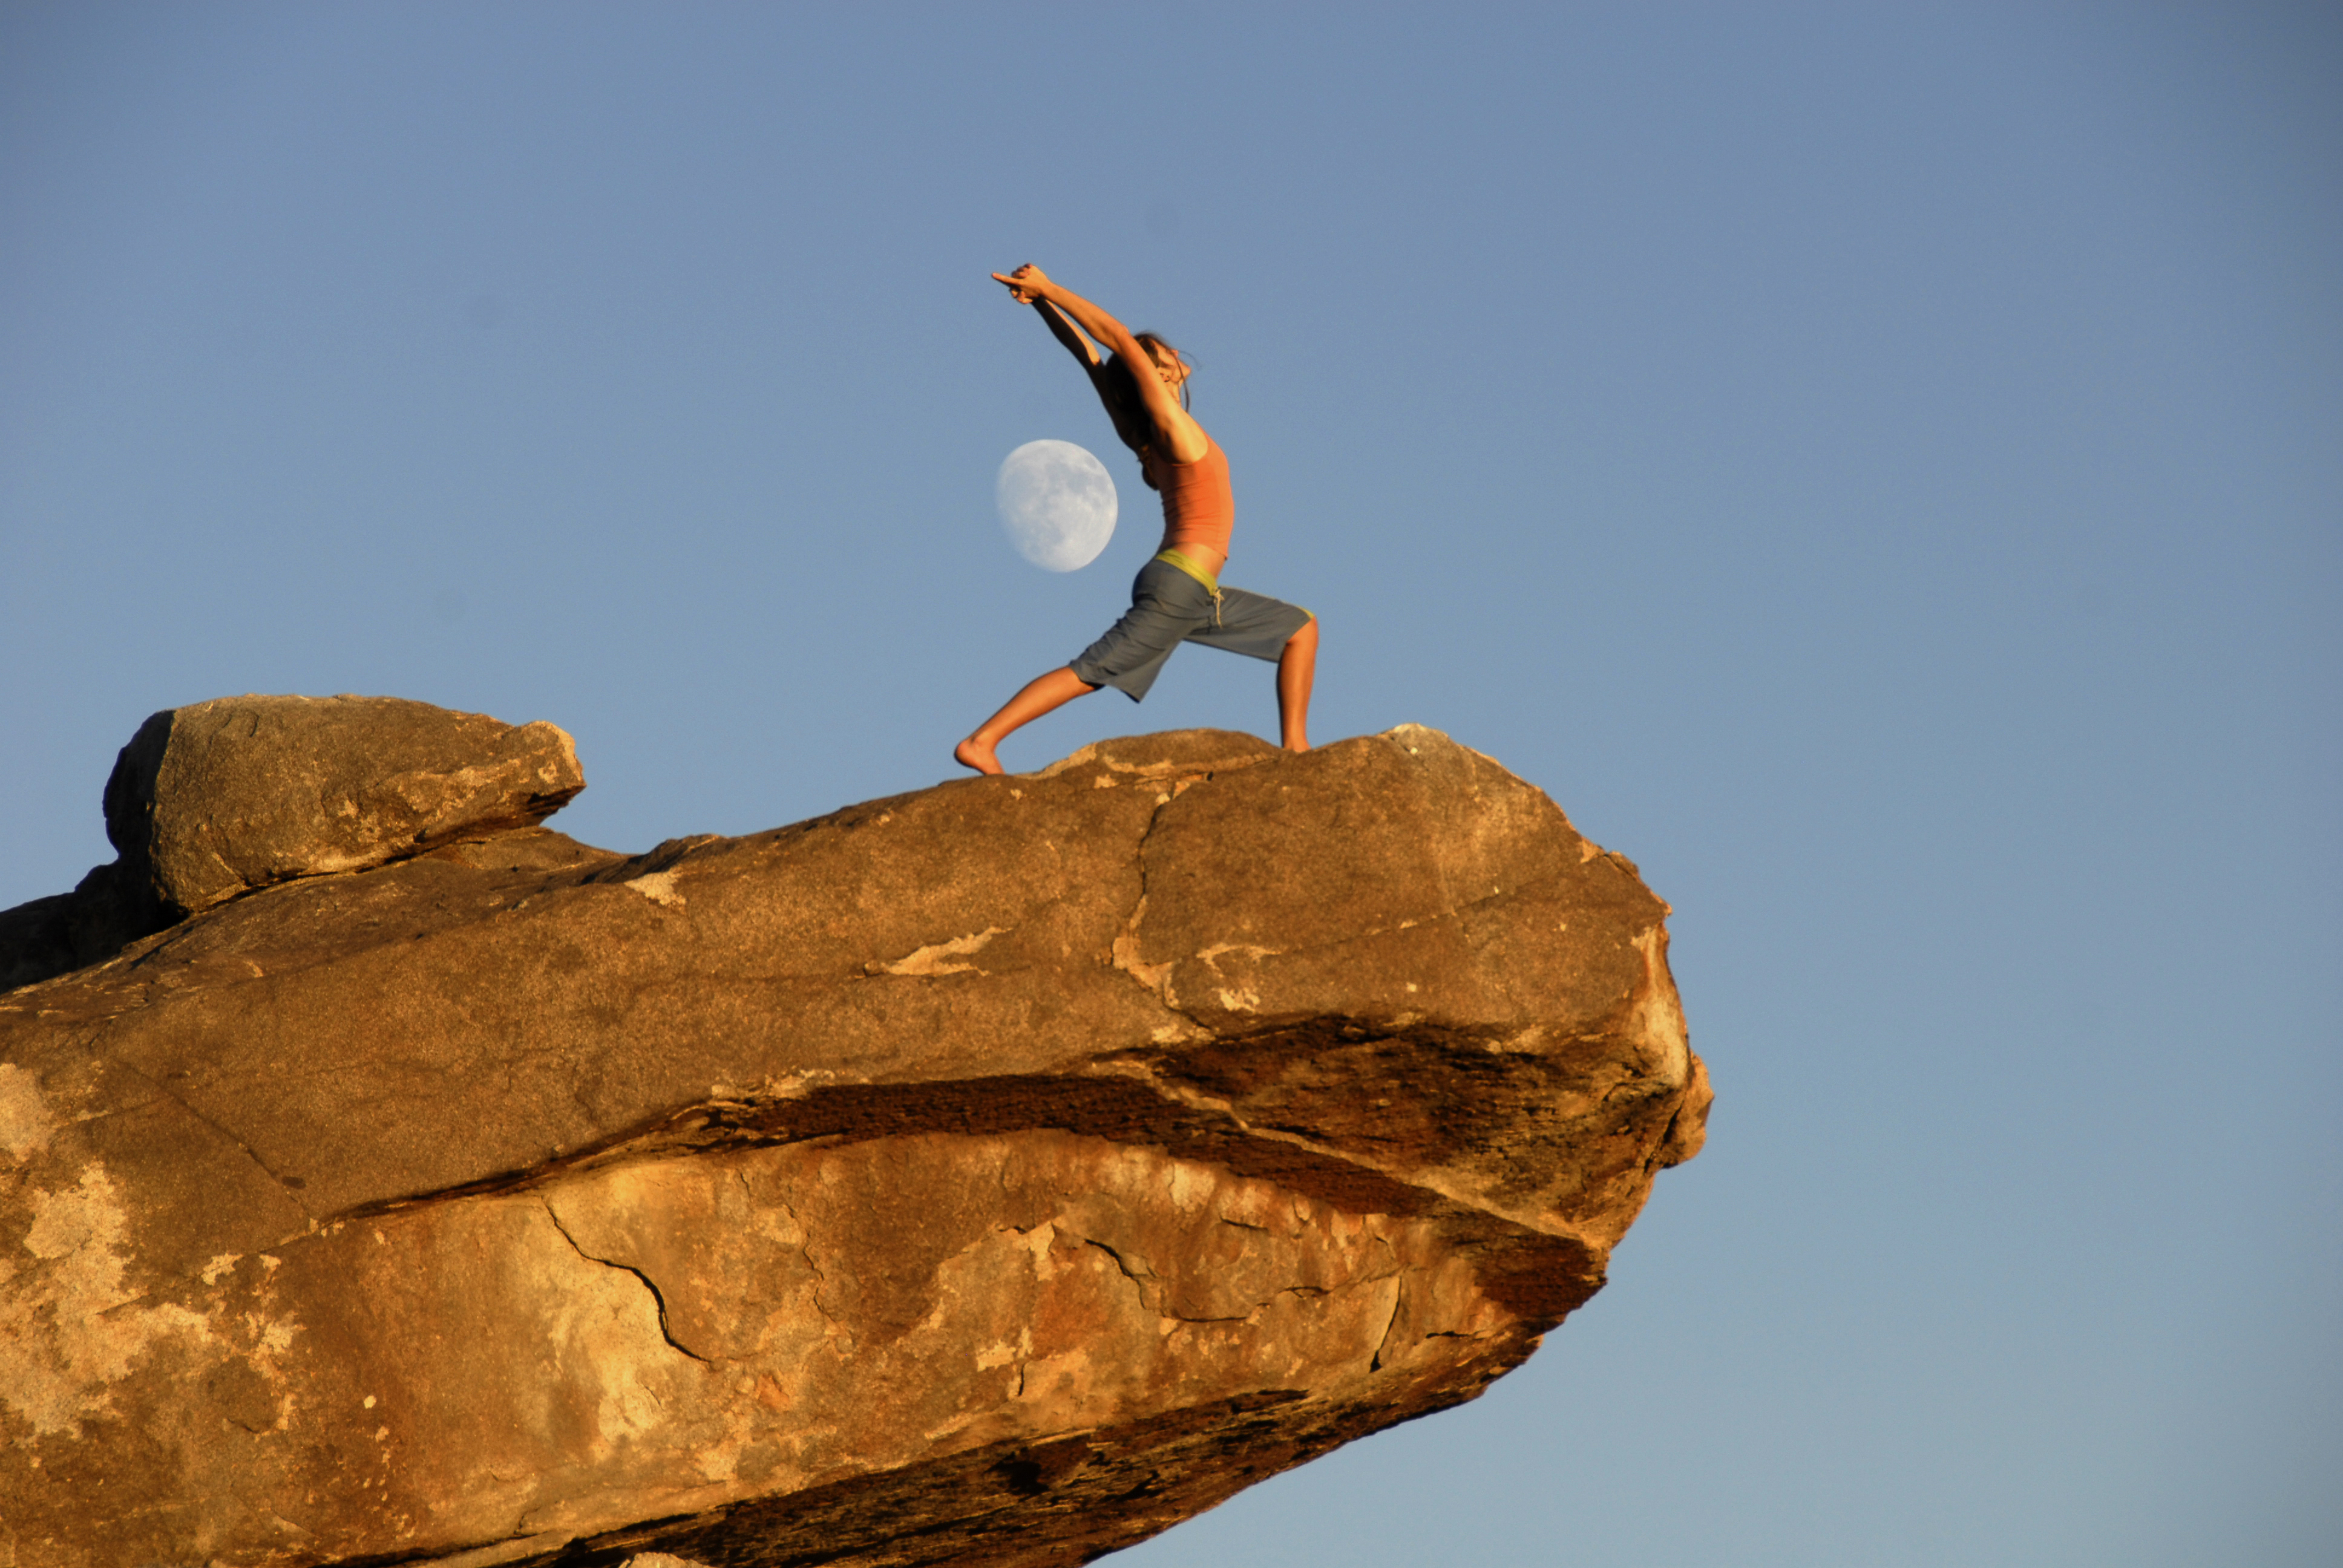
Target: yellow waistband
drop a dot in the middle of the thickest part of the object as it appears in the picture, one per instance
(1174, 558)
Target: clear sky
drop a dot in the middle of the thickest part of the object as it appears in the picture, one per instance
(1878, 467)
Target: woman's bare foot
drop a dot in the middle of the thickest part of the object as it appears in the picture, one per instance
(1049, 690)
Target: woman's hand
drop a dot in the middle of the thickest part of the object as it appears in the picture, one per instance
(1028, 285)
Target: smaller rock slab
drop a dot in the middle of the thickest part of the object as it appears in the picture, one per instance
(218, 798)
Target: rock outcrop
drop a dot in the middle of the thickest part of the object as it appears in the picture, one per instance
(994, 1174)
(208, 802)
(211, 801)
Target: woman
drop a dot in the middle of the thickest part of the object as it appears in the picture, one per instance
(1177, 596)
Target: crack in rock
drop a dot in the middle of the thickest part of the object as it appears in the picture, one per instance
(1140, 1281)
(649, 1283)
(805, 1250)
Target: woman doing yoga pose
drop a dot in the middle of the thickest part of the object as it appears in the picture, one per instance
(1177, 596)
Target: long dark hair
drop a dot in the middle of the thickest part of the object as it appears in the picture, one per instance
(1120, 393)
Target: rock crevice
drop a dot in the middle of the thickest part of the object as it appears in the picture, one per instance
(659, 1299)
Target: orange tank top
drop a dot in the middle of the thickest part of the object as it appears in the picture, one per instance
(1199, 509)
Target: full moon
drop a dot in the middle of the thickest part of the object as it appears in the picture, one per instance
(1057, 503)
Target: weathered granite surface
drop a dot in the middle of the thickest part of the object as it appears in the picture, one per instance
(993, 1174)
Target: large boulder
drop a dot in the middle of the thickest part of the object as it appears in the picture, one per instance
(994, 1174)
(209, 802)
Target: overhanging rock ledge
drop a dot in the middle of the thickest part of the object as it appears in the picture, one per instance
(998, 1173)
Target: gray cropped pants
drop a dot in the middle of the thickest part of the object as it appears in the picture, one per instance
(1170, 607)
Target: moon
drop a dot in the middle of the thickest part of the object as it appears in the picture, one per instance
(1056, 504)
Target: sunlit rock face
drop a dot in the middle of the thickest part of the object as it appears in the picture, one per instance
(994, 1174)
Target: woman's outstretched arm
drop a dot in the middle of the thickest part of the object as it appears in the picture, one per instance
(1067, 333)
(1182, 439)
(1079, 346)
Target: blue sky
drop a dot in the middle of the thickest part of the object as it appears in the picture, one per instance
(1877, 467)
